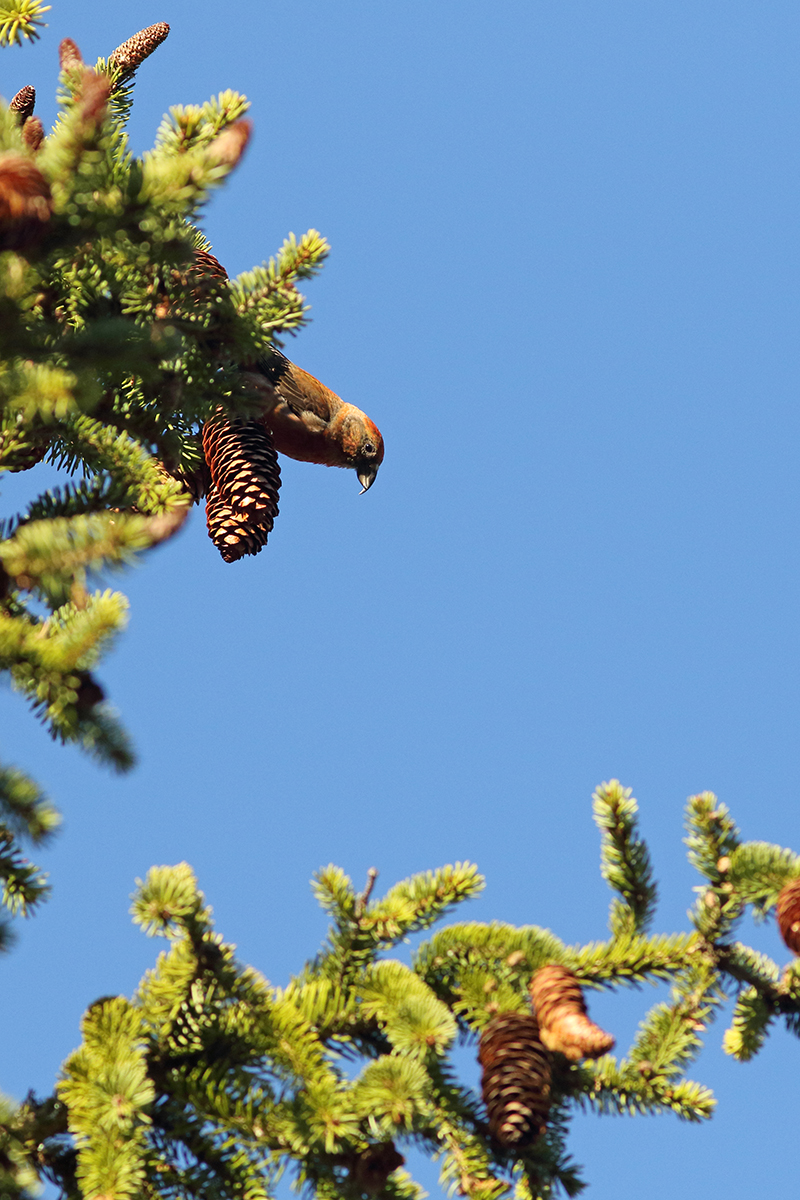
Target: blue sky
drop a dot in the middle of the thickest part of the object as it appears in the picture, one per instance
(564, 283)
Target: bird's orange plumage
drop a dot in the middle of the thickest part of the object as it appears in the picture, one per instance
(308, 421)
(311, 423)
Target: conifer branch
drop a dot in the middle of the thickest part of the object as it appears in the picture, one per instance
(25, 814)
(248, 1080)
(712, 838)
(117, 345)
(758, 871)
(752, 1017)
(625, 860)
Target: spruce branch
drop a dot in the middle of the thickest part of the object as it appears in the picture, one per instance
(625, 860)
(612, 1089)
(332, 1075)
(31, 1143)
(414, 1020)
(668, 1040)
(712, 838)
(25, 814)
(107, 1093)
(24, 809)
(747, 966)
(752, 1017)
(372, 875)
(167, 900)
(759, 871)
(24, 885)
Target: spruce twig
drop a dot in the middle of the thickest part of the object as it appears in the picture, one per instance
(361, 902)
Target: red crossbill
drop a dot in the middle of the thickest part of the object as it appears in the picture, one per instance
(312, 424)
(308, 421)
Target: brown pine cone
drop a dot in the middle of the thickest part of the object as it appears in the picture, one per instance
(205, 264)
(788, 910)
(561, 1012)
(371, 1169)
(23, 103)
(242, 502)
(516, 1079)
(89, 694)
(25, 202)
(132, 53)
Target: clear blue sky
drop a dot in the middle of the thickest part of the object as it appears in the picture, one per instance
(564, 283)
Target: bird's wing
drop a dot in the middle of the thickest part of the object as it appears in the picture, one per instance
(304, 395)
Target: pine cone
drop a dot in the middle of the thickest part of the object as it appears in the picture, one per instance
(92, 96)
(23, 103)
(371, 1169)
(242, 502)
(789, 915)
(69, 56)
(25, 202)
(231, 144)
(33, 133)
(516, 1078)
(88, 694)
(131, 54)
(561, 1012)
(205, 265)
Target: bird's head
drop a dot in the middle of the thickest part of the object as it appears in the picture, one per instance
(361, 444)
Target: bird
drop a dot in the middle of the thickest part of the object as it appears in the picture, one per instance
(308, 421)
(301, 418)
(311, 423)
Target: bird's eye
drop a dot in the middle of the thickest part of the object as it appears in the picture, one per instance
(368, 448)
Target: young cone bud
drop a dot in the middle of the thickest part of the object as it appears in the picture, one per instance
(23, 103)
(242, 502)
(25, 202)
(789, 915)
(561, 1012)
(131, 54)
(33, 133)
(95, 90)
(516, 1079)
(69, 55)
(229, 147)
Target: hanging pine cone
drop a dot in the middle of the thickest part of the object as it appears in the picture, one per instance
(206, 265)
(242, 502)
(88, 694)
(561, 1012)
(371, 1169)
(789, 915)
(516, 1079)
